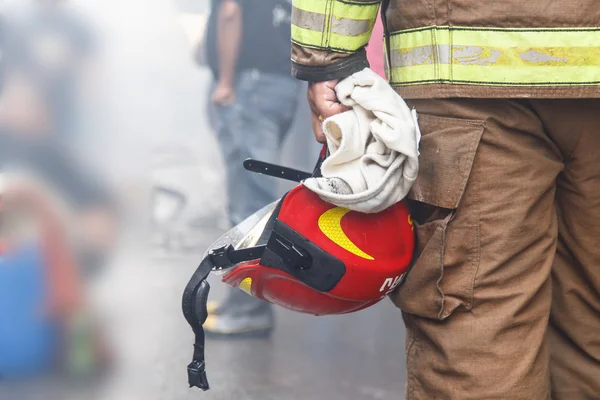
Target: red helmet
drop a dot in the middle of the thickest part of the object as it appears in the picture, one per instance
(321, 259)
(306, 255)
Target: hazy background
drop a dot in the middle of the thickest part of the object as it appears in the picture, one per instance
(145, 126)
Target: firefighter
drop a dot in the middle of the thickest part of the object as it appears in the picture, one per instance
(48, 54)
(502, 301)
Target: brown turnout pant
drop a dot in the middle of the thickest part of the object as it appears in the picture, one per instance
(503, 300)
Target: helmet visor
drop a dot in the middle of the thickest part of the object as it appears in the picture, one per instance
(246, 234)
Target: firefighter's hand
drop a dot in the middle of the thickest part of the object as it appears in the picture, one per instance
(224, 95)
(323, 104)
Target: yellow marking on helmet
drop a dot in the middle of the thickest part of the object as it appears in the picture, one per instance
(330, 224)
(411, 223)
(246, 285)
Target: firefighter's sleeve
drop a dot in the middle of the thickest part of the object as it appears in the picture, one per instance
(329, 37)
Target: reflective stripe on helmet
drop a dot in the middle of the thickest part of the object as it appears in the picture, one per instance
(330, 223)
(339, 25)
(493, 56)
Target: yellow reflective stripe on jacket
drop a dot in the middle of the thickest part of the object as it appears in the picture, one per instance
(339, 25)
(492, 56)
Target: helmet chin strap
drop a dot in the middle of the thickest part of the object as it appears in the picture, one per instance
(195, 297)
(194, 301)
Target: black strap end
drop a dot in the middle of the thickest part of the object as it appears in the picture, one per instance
(197, 375)
(276, 171)
(194, 309)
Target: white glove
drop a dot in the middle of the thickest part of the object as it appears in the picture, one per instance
(373, 147)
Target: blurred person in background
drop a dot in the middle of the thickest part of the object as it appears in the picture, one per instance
(55, 225)
(47, 58)
(44, 325)
(255, 100)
